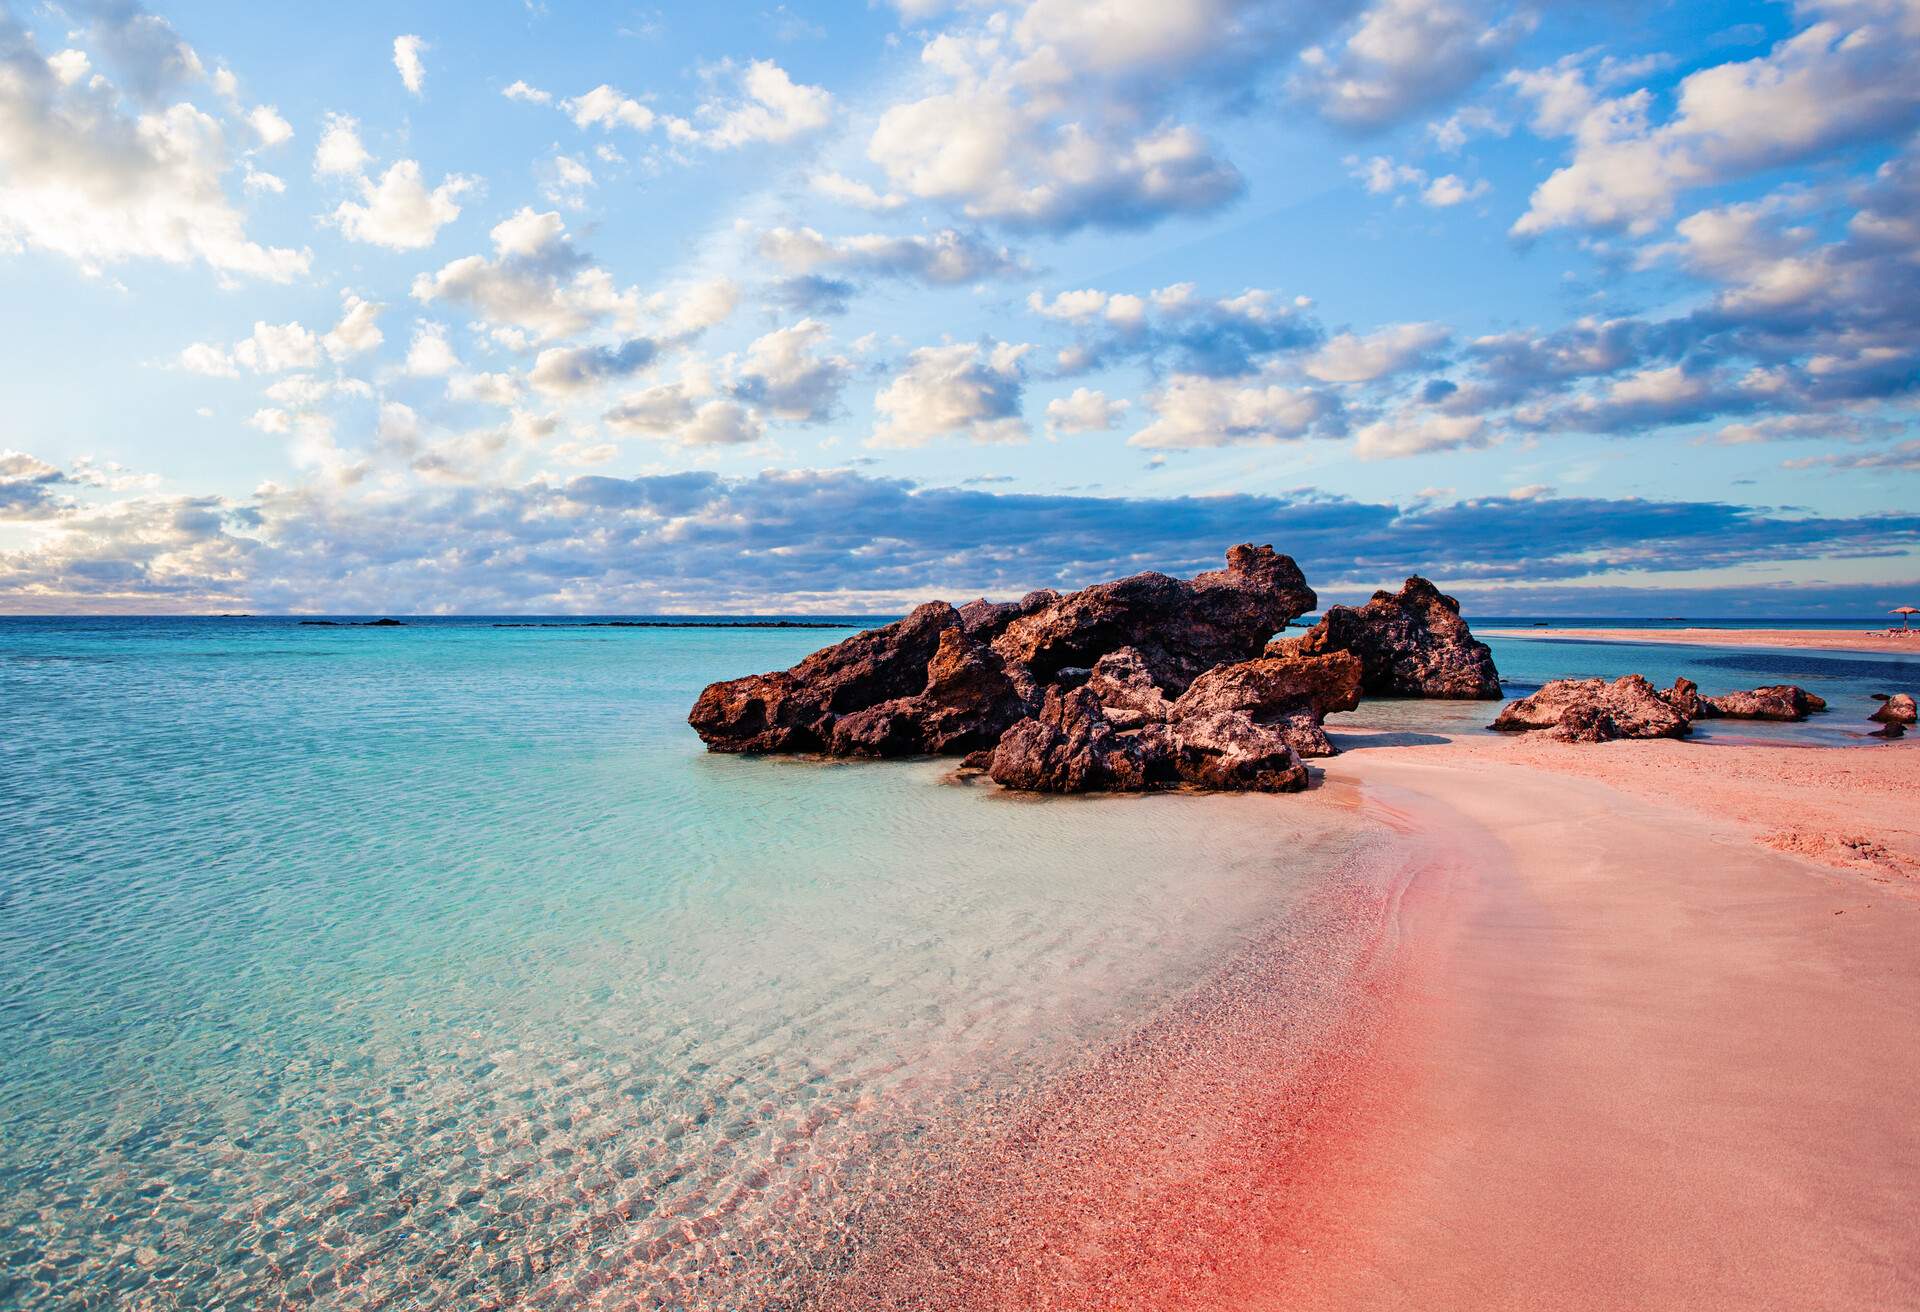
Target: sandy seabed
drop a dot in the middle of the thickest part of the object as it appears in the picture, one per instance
(1861, 640)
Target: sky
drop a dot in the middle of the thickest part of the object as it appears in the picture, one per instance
(516, 307)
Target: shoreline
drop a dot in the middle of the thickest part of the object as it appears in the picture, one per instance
(1589, 1040)
(1874, 641)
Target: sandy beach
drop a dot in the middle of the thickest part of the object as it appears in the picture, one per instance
(1647, 1052)
(1634, 1027)
(1864, 640)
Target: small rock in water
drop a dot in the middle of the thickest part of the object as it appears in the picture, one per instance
(1897, 709)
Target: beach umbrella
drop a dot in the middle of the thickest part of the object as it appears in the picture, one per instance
(1903, 612)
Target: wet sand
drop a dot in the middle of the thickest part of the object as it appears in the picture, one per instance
(1866, 640)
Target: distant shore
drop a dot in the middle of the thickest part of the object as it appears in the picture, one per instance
(1866, 640)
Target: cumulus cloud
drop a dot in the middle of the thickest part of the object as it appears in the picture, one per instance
(766, 105)
(965, 389)
(267, 124)
(564, 370)
(430, 355)
(340, 152)
(1414, 433)
(1192, 411)
(1064, 121)
(537, 283)
(851, 191)
(1352, 358)
(603, 107)
(1084, 411)
(1843, 79)
(1404, 56)
(398, 211)
(944, 259)
(1177, 327)
(791, 375)
(406, 60)
(96, 183)
(358, 330)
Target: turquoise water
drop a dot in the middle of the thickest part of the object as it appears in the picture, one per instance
(439, 967)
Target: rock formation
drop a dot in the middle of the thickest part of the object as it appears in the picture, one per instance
(1411, 643)
(1777, 701)
(1897, 709)
(947, 681)
(1242, 727)
(1595, 711)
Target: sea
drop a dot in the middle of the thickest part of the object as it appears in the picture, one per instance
(438, 966)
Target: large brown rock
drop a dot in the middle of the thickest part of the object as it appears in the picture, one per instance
(1595, 711)
(1289, 695)
(1180, 628)
(1897, 709)
(1776, 701)
(1411, 643)
(1242, 727)
(797, 710)
(1071, 747)
(952, 681)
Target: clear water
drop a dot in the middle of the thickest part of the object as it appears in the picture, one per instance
(439, 967)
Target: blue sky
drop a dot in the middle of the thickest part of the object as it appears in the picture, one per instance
(834, 307)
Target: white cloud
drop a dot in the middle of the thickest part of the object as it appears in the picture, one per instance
(721, 423)
(485, 389)
(339, 151)
(399, 212)
(537, 283)
(406, 59)
(1404, 55)
(531, 95)
(1085, 411)
(571, 181)
(1450, 189)
(961, 389)
(850, 191)
(269, 126)
(358, 330)
(944, 258)
(1061, 127)
(770, 107)
(1349, 358)
(606, 108)
(695, 306)
(788, 373)
(430, 355)
(206, 358)
(1409, 434)
(1828, 85)
(276, 347)
(86, 181)
(1191, 411)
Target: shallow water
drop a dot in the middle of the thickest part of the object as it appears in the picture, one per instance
(438, 966)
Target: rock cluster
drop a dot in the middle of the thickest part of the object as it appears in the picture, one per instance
(1145, 682)
(1411, 643)
(1596, 711)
